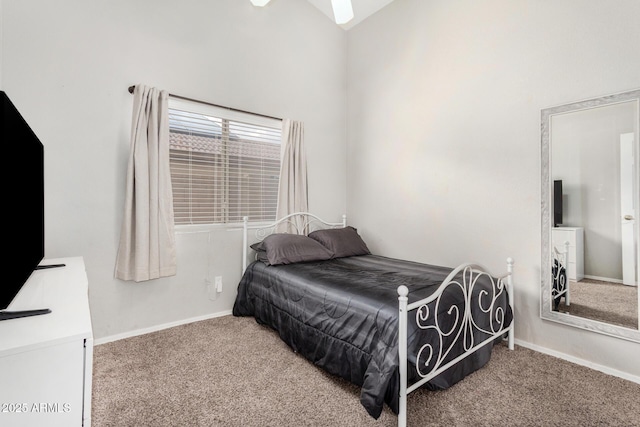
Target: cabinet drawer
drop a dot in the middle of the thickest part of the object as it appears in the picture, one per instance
(573, 235)
(47, 382)
(561, 236)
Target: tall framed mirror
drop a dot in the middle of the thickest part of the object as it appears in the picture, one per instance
(590, 173)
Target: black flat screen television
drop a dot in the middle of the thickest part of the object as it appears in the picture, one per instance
(557, 202)
(23, 196)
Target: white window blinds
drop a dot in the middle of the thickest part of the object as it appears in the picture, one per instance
(224, 165)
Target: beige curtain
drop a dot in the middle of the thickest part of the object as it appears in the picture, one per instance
(147, 240)
(292, 190)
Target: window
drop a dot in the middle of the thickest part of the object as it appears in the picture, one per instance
(224, 164)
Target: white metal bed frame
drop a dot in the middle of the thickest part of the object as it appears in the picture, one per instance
(563, 281)
(465, 324)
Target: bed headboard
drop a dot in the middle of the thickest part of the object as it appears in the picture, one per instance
(295, 223)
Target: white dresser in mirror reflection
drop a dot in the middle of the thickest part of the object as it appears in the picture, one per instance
(575, 237)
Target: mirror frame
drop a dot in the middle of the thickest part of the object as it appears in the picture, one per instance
(545, 296)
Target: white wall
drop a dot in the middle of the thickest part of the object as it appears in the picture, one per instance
(444, 101)
(67, 65)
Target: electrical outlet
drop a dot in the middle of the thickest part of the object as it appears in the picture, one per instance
(218, 283)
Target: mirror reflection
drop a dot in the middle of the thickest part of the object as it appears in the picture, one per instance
(591, 200)
(593, 169)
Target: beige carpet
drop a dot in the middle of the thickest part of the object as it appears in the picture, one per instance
(603, 301)
(233, 372)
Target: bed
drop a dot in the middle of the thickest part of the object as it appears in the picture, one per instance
(389, 326)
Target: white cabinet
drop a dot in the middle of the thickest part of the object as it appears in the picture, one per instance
(46, 361)
(575, 237)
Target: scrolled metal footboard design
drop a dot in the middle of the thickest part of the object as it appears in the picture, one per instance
(479, 313)
(465, 326)
(560, 278)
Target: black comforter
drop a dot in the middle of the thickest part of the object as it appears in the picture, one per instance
(342, 315)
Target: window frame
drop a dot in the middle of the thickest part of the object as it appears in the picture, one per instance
(225, 114)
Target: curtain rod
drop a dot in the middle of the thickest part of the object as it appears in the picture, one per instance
(131, 88)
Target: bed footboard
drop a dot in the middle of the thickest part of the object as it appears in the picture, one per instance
(463, 330)
(560, 277)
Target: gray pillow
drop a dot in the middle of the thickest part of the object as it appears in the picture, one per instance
(261, 253)
(258, 247)
(284, 248)
(342, 242)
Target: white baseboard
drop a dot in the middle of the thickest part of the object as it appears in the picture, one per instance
(605, 369)
(155, 328)
(604, 279)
